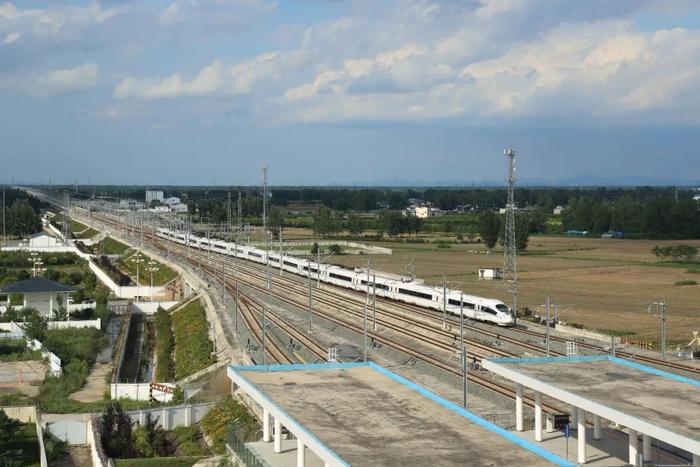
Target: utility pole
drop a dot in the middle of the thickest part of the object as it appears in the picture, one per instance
(264, 219)
(462, 350)
(281, 252)
(364, 318)
(235, 311)
(223, 283)
(546, 329)
(240, 216)
(4, 236)
(228, 214)
(263, 334)
(308, 270)
(374, 300)
(444, 301)
(318, 266)
(510, 268)
(661, 307)
(267, 264)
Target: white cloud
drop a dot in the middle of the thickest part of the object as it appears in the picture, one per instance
(67, 80)
(10, 38)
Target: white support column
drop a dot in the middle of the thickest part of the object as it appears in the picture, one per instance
(581, 419)
(646, 447)
(538, 416)
(518, 407)
(574, 417)
(266, 425)
(696, 460)
(300, 453)
(278, 435)
(633, 446)
(597, 427)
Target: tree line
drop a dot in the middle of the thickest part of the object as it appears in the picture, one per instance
(22, 213)
(657, 217)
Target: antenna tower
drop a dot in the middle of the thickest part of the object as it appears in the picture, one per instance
(264, 219)
(510, 266)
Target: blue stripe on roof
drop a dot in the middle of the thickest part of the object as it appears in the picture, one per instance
(534, 448)
(238, 370)
(654, 371)
(575, 358)
(619, 361)
(298, 366)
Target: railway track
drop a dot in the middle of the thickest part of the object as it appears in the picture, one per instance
(320, 353)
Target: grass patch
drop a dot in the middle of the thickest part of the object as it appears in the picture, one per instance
(615, 332)
(165, 366)
(192, 345)
(110, 246)
(216, 421)
(189, 441)
(158, 462)
(15, 350)
(88, 233)
(75, 343)
(686, 282)
(160, 277)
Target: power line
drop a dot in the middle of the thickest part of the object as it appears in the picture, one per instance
(510, 267)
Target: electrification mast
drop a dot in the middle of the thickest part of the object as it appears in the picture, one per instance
(264, 219)
(510, 266)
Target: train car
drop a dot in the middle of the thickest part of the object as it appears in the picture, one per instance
(474, 307)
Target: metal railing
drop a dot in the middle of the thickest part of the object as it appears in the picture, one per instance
(236, 438)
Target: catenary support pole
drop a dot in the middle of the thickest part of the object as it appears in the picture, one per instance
(597, 427)
(581, 451)
(633, 443)
(538, 416)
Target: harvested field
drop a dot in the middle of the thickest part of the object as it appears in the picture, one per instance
(600, 283)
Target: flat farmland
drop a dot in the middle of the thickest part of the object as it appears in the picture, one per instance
(601, 284)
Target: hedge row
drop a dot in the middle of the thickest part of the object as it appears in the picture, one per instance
(193, 348)
(165, 367)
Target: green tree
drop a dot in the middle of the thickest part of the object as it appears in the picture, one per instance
(324, 222)
(522, 232)
(275, 221)
(22, 219)
(354, 224)
(314, 248)
(489, 228)
(34, 324)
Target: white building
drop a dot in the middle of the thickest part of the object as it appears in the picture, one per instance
(42, 294)
(426, 211)
(489, 273)
(154, 195)
(696, 197)
(171, 200)
(179, 207)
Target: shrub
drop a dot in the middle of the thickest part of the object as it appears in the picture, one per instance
(686, 282)
(75, 343)
(216, 421)
(165, 367)
(192, 345)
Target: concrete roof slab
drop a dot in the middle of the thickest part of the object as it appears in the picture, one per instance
(663, 405)
(369, 416)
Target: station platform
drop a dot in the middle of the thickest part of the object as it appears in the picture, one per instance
(363, 414)
(648, 402)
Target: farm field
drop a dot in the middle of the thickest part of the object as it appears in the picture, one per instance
(601, 284)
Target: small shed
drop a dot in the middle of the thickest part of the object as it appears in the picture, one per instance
(490, 273)
(42, 294)
(42, 240)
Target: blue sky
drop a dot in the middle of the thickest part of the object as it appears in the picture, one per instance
(350, 92)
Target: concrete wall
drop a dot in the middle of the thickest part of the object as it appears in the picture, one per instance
(139, 392)
(125, 291)
(25, 414)
(150, 308)
(28, 415)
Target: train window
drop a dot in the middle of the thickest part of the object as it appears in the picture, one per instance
(454, 302)
(340, 276)
(489, 311)
(503, 308)
(413, 293)
(289, 263)
(250, 253)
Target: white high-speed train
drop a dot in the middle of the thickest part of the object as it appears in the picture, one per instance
(478, 308)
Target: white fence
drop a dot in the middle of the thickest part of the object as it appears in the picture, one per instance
(150, 308)
(374, 250)
(131, 291)
(142, 391)
(83, 323)
(54, 361)
(15, 329)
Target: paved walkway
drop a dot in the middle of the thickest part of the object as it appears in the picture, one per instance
(95, 386)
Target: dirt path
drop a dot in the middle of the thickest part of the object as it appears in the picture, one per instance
(95, 386)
